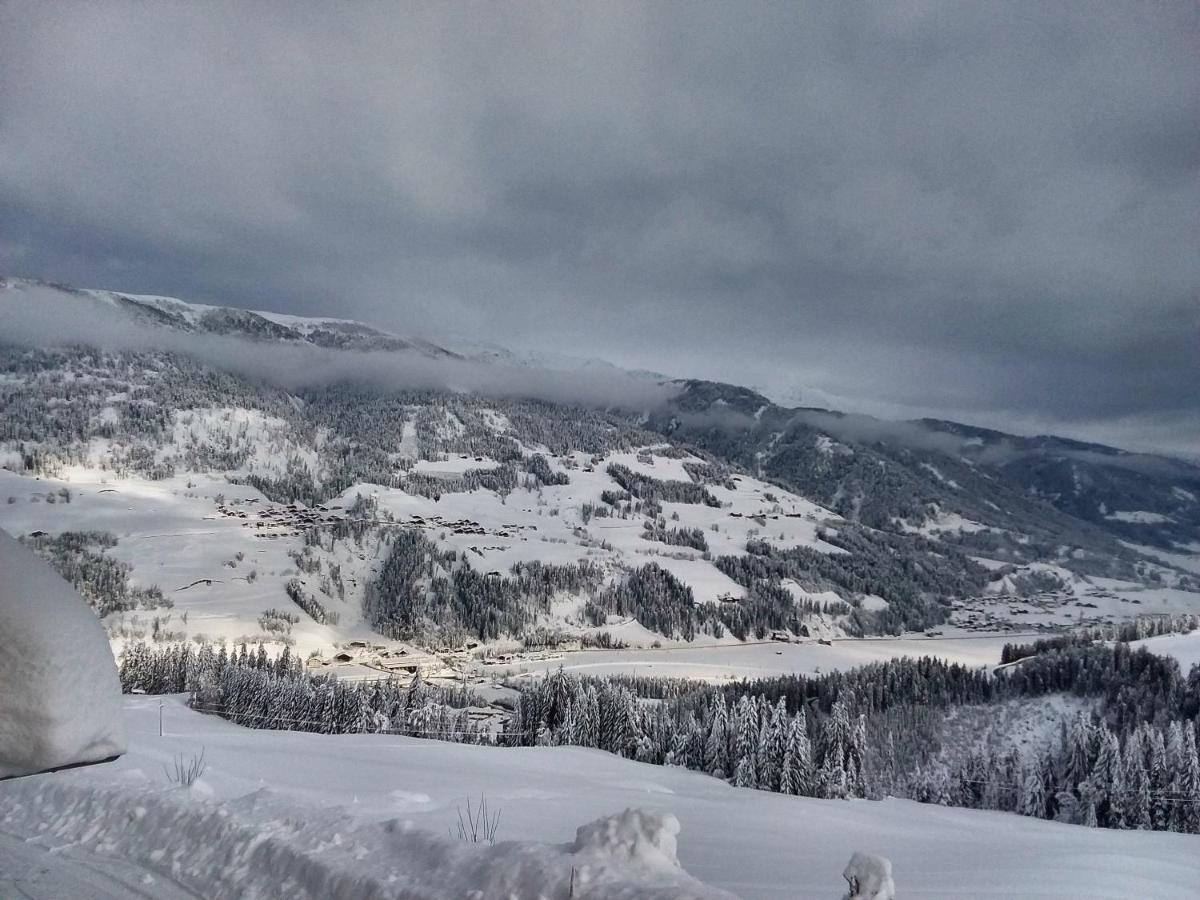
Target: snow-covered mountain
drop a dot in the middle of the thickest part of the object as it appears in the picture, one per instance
(753, 519)
(198, 318)
(541, 359)
(314, 525)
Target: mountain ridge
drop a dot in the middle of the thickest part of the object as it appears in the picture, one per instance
(893, 475)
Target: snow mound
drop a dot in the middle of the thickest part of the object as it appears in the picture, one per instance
(647, 841)
(869, 877)
(60, 698)
(266, 844)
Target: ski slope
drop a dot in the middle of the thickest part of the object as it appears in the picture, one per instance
(327, 808)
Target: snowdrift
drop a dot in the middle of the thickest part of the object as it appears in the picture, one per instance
(60, 698)
(266, 845)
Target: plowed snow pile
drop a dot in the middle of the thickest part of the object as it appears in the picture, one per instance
(60, 699)
(265, 845)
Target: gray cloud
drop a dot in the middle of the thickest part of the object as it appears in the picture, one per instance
(985, 212)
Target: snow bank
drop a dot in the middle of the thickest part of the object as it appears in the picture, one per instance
(60, 698)
(869, 877)
(647, 841)
(266, 845)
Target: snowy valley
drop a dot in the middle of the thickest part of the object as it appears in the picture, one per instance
(775, 621)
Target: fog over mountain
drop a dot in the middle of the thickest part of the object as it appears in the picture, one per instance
(293, 358)
(985, 213)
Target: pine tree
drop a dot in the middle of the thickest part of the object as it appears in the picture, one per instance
(716, 755)
(745, 775)
(1136, 806)
(1032, 801)
(1107, 782)
(1188, 817)
(1160, 776)
(772, 743)
(678, 754)
(1079, 752)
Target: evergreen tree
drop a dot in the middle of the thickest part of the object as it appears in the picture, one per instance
(1032, 801)
(1136, 805)
(716, 754)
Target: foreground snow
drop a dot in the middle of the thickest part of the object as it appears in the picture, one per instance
(277, 813)
(60, 699)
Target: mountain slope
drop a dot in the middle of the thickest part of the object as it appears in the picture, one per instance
(196, 318)
(708, 516)
(893, 475)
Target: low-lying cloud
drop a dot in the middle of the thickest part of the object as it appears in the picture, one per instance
(42, 317)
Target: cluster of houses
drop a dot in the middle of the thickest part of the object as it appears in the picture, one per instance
(391, 660)
(277, 520)
(292, 520)
(997, 612)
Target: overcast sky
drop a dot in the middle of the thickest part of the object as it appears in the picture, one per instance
(984, 211)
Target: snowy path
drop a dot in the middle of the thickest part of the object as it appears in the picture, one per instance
(318, 802)
(31, 872)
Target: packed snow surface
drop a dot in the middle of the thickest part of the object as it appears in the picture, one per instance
(60, 699)
(294, 814)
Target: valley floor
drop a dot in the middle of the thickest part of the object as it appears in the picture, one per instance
(317, 809)
(766, 659)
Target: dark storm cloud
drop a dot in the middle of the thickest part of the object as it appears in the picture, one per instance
(985, 212)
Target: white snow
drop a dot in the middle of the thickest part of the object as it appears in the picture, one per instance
(946, 522)
(455, 466)
(305, 815)
(765, 659)
(869, 877)
(1188, 561)
(937, 473)
(1138, 517)
(60, 699)
(1183, 647)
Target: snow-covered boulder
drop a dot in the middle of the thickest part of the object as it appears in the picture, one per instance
(60, 697)
(869, 877)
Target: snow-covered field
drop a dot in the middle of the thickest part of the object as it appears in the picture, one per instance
(1183, 647)
(765, 660)
(174, 534)
(281, 813)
